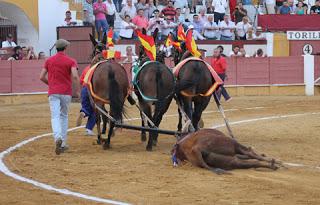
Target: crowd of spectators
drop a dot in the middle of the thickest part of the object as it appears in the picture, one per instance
(21, 52)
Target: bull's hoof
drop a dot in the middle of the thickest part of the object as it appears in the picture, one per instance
(143, 137)
(106, 146)
(149, 149)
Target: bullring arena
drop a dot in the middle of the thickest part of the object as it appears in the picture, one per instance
(281, 127)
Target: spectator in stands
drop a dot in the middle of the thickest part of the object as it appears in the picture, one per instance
(235, 52)
(249, 34)
(210, 29)
(156, 22)
(9, 43)
(304, 5)
(41, 55)
(243, 53)
(178, 17)
(181, 4)
(167, 27)
(300, 9)
(193, 4)
(291, 6)
(151, 8)
(169, 12)
(68, 19)
(259, 54)
(270, 6)
(242, 28)
(315, 9)
(220, 7)
(87, 6)
(28, 53)
(86, 18)
(140, 20)
(128, 9)
(258, 35)
(18, 54)
(131, 58)
(209, 7)
(279, 4)
(219, 64)
(100, 12)
(284, 9)
(197, 24)
(251, 9)
(227, 28)
(127, 28)
(58, 73)
(239, 13)
(118, 5)
(110, 16)
(162, 4)
(202, 16)
(221, 49)
(142, 5)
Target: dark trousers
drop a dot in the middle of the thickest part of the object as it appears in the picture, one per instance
(222, 90)
(87, 108)
(118, 5)
(110, 20)
(218, 17)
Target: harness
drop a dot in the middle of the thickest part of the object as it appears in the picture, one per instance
(88, 81)
(136, 82)
(215, 76)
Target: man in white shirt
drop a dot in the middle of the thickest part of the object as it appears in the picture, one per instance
(258, 35)
(156, 22)
(9, 42)
(235, 52)
(126, 28)
(111, 8)
(219, 10)
(167, 27)
(270, 5)
(210, 29)
(227, 28)
(242, 28)
(128, 9)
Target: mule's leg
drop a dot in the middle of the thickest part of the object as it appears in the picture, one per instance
(98, 117)
(200, 104)
(180, 120)
(187, 106)
(143, 133)
(106, 144)
(104, 123)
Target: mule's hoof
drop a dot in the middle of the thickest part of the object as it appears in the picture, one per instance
(143, 137)
(106, 146)
(99, 141)
(149, 149)
(201, 123)
(154, 143)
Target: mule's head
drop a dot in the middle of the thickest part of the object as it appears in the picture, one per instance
(98, 46)
(177, 54)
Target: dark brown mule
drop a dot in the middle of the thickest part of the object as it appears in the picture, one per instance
(211, 149)
(109, 82)
(154, 87)
(194, 79)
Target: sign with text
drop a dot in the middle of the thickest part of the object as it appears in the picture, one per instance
(303, 35)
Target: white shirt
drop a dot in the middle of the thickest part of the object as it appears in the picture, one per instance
(242, 28)
(165, 27)
(181, 4)
(134, 2)
(261, 36)
(153, 24)
(208, 33)
(131, 11)
(126, 32)
(7, 44)
(111, 8)
(219, 6)
(233, 54)
(227, 32)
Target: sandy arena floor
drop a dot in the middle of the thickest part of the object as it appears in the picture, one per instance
(129, 174)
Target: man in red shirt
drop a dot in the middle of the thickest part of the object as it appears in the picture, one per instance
(169, 12)
(58, 72)
(86, 107)
(219, 64)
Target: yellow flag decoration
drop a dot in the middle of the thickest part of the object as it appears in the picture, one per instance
(148, 44)
(191, 44)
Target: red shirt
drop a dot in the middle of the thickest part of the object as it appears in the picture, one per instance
(219, 65)
(84, 72)
(169, 12)
(59, 73)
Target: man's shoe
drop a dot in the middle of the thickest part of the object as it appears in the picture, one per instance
(65, 148)
(89, 133)
(229, 99)
(79, 120)
(58, 146)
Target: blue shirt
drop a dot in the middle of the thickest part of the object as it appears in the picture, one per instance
(284, 10)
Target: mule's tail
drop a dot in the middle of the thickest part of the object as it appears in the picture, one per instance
(115, 97)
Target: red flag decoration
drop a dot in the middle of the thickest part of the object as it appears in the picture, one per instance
(108, 54)
(191, 44)
(180, 33)
(148, 44)
(170, 42)
(109, 38)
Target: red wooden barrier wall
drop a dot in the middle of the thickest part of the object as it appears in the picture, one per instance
(23, 76)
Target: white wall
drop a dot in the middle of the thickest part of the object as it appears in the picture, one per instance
(27, 34)
(51, 15)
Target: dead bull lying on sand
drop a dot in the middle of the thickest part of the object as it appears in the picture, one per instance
(211, 149)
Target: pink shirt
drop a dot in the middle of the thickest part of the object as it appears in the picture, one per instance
(100, 15)
(141, 22)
